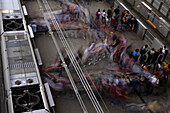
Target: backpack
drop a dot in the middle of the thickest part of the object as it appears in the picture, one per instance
(97, 13)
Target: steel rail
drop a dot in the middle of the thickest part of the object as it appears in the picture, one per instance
(60, 34)
(88, 74)
(66, 45)
(85, 86)
(73, 64)
(63, 61)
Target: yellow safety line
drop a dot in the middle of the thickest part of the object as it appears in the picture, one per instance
(152, 24)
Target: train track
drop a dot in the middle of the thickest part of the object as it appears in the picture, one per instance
(73, 60)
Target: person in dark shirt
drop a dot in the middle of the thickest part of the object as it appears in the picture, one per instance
(133, 23)
(155, 58)
(142, 59)
(129, 17)
(143, 49)
(122, 15)
(135, 82)
(117, 10)
(150, 55)
(109, 13)
(160, 57)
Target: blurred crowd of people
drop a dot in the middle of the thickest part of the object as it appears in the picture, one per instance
(115, 87)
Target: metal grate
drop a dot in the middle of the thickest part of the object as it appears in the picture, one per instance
(23, 65)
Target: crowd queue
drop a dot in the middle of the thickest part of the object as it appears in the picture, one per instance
(113, 17)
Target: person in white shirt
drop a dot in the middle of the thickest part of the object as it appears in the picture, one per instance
(103, 16)
(165, 52)
(98, 14)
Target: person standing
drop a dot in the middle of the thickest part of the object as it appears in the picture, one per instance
(117, 11)
(103, 16)
(155, 57)
(122, 15)
(143, 49)
(124, 22)
(109, 13)
(114, 23)
(98, 14)
(150, 55)
(129, 17)
(160, 58)
(142, 59)
(136, 55)
(165, 52)
(133, 23)
(34, 29)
